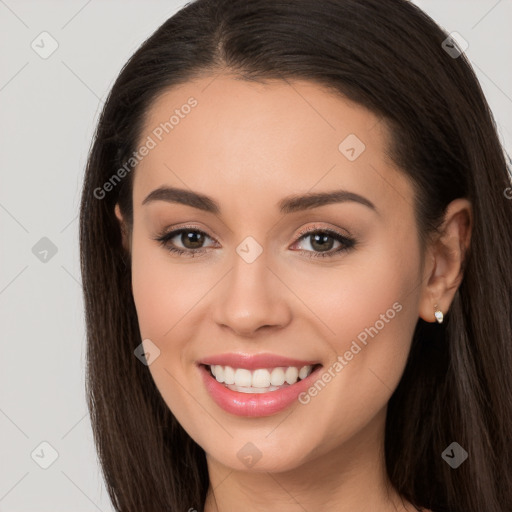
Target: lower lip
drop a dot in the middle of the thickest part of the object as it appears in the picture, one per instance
(254, 404)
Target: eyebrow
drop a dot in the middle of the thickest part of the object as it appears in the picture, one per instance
(287, 205)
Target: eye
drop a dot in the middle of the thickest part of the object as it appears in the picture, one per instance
(322, 240)
(191, 239)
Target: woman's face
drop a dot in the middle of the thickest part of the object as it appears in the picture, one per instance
(341, 301)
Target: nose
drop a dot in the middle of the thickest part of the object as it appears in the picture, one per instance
(252, 298)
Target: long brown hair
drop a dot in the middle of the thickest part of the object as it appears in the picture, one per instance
(388, 56)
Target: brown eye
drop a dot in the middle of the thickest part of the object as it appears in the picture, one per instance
(192, 239)
(322, 241)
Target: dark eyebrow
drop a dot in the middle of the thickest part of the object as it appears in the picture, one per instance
(289, 204)
(297, 203)
(182, 196)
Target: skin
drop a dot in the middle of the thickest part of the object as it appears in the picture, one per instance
(248, 145)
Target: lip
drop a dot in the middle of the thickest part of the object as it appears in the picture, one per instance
(255, 404)
(254, 361)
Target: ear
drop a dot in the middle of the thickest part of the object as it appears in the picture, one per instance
(444, 260)
(124, 229)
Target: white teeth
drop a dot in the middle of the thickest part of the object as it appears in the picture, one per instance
(243, 377)
(219, 373)
(291, 375)
(277, 377)
(229, 375)
(304, 372)
(260, 380)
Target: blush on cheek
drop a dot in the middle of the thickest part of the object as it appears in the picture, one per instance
(166, 293)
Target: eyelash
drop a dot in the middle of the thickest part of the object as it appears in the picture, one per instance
(347, 242)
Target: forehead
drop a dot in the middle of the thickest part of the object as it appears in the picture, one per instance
(243, 140)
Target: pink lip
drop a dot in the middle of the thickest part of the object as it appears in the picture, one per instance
(255, 404)
(254, 361)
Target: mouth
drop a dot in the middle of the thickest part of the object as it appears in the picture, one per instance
(255, 386)
(260, 380)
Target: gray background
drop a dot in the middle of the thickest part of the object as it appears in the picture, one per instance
(48, 111)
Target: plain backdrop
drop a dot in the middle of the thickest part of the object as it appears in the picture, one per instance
(48, 111)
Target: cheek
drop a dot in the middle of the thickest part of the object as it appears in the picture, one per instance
(367, 309)
(164, 291)
(370, 310)
(371, 289)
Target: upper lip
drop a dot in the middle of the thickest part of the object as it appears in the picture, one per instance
(254, 361)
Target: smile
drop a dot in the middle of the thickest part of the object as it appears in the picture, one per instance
(256, 385)
(260, 380)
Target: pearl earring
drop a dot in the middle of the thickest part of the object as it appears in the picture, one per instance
(438, 314)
